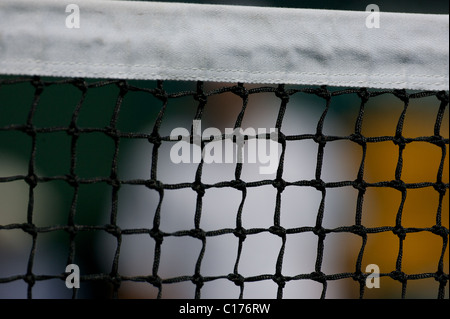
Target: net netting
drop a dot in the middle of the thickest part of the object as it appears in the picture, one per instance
(86, 179)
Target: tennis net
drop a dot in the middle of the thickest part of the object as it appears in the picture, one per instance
(314, 184)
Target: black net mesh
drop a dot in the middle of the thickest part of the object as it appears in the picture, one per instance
(397, 217)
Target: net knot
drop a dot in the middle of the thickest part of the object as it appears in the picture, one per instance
(359, 230)
(402, 95)
(198, 233)
(280, 280)
(318, 184)
(80, 84)
(441, 277)
(114, 182)
(320, 231)
(323, 92)
(31, 180)
(154, 280)
(279, 184)
(400, 232)
(115, 280)
(30, 229)
(197, 280)
(237, 279)
(112, 132)
(37, 83)
(72, 230)
(400, 141)
(359, 276)
(318, 276)
(157, 235)
(155, 139)
(320, 139)
(154, 184)
(442, 96)
(282, 94)
(199, 188)
(440, 231)
(30, 130)
(160, 94)
(360, 185)
(238, 184)
(364, 94)
(201, 97)
(113, 230)
(123, 86)
(278, 230)
(398, 185)
(278, 137)
(72, 180)
(240, 233)
(438, 141)
(73, 130)
(30, 279)
(240, 91)
(358, 138)
(399, 276)
(441, 188)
